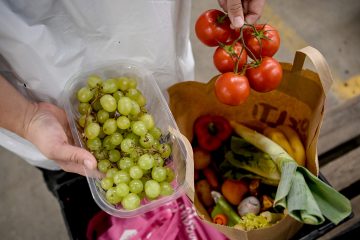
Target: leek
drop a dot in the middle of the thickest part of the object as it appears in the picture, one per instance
(307, 198)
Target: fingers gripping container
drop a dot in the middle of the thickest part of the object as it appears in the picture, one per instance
(157, 106)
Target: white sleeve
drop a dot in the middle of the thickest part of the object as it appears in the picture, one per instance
(25, 150)
(46, 42)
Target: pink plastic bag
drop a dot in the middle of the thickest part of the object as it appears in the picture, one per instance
(174, 221)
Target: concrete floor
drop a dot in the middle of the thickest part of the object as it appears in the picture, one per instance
(29, 211)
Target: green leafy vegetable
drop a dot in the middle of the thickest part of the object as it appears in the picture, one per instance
(307, 198)
(245, 160)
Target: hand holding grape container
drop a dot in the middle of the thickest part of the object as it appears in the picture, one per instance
(117, 112)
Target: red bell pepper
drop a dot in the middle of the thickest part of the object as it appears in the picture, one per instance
(211, 131)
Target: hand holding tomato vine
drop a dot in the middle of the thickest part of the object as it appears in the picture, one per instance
(241, 11)
(243, 55)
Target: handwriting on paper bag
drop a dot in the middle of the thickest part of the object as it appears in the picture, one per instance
(273, 116)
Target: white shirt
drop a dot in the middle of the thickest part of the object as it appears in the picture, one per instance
(45, 42)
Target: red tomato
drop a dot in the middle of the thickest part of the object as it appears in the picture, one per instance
(212, 27)
(231, 88)
(267, 35)
(234, 34)
(225, 58)
(266, 76)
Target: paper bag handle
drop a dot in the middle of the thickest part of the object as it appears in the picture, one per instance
(189, 174)
(318, 60)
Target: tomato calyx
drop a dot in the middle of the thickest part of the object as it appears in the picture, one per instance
(229, 49)
(254, 63)
(211, 131)
(260, 34)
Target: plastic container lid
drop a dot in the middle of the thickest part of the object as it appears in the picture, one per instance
(156, 106)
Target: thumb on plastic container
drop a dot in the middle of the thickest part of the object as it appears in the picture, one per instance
(75, 155)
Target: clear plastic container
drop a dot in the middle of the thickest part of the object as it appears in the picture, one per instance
(156, 105)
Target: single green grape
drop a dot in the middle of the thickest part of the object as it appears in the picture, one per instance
(82, 120)
(108, 103)
(94, 144)
(116, 138)
(135, 154)
(136, 172)
(124, 105)
(136, 186)
(104, 165)
(156, 144)
(141, 100)
(135, 109)
(130, 201)
(117, 95)
(127, 145)
(132, 93)
(158, 160)
(85, 120)
(114, 155)
(85, 94)
(147, 141)
(110, 126)
(132, 83)
(109, 86)
(111, 172)
(166, 189)
(102, 116)
(121, 176)
(122, 189)
(101, 154)
(152, 189)
(159, 174)
(164, 150)
(94, 81)
(123, 122)
(92, 130)
(139, 128)
(146, 161)
(156, 132)
(133, 136)
(84, 108)
(148, 120)
(106, 183)
(112, 197)
(125, 163)
(123, 83)
(107, 143)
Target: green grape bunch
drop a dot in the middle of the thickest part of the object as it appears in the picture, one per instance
(130, 149)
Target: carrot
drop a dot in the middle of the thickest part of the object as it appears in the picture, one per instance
(220, 219)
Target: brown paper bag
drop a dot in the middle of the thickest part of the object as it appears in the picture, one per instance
(298, 102)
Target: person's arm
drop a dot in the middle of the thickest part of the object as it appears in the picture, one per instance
(15, 109)
(45, 125)
(241, 11)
